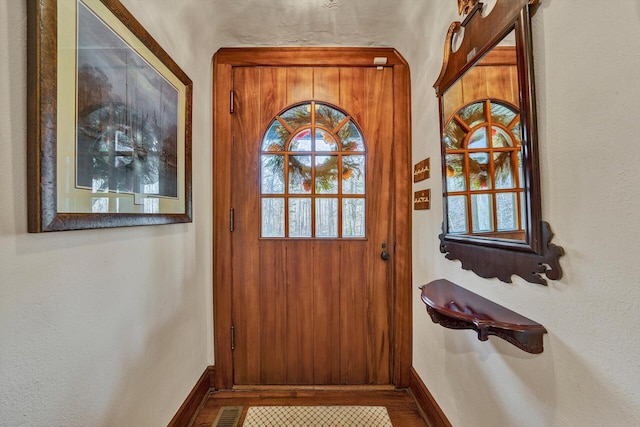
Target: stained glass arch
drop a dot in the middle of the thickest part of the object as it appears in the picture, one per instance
(312, 174)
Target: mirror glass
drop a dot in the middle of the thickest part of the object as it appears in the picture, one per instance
(483, 149)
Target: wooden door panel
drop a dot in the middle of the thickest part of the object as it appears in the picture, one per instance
(326, 84)
(326, 309)
(354, 307)
(379, 128)
(354, 359)
(273, 93)
(299, 84)
(273, 255)
(502, 83)
(311, 311)
(246, 268)
(273, 287)
(352, 92)
(299, 305)
(496, 76)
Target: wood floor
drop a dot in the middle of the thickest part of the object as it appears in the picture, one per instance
(400, 405)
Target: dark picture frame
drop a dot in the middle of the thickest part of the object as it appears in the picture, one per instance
(109, 121)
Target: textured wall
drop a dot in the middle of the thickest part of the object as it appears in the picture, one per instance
(587, 57)
(97, 328)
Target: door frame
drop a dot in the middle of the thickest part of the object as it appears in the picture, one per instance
(223, 62)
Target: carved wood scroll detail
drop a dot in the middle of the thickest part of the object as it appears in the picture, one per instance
(457, 308)
(464, 6)
(479, 37)
(453, 29)
(488, 262)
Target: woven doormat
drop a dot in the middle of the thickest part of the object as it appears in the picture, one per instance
(317, 416)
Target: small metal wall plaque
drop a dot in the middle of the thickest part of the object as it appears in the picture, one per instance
(422, 170)
(422, 200)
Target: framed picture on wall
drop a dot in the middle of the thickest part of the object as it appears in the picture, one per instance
(109, 123)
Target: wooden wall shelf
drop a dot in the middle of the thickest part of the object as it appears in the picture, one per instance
(454, 307)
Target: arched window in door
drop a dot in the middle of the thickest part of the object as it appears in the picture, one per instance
(312, 176)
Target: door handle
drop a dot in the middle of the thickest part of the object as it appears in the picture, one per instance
(384, 254)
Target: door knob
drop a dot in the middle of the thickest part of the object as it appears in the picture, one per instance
(384, 254)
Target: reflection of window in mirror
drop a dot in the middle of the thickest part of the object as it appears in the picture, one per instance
(484, 176)
(483, 151)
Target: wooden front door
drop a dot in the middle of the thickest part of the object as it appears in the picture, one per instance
(312, 302)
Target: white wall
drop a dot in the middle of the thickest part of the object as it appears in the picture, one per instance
(106, 327)
(587, 62)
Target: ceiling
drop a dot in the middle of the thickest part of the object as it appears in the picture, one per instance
(291, 22)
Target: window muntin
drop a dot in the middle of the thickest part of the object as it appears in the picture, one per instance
(313, 168)
(483, 161)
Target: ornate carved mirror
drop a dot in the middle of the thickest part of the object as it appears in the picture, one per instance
(491, 185)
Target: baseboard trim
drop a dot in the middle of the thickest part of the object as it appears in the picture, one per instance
(294, 388)
(434, 415)
(191, 406)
